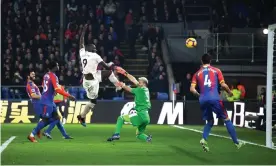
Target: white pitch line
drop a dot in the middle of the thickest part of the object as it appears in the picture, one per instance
(5, 144)
(220, 136)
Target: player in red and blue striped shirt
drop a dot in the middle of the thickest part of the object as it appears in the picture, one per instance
(208, 79)
(34, 95)
(33, 91)
(49, 113)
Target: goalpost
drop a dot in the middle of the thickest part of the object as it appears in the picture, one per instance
(271, 52)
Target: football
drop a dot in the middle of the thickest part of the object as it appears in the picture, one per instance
(191, 43)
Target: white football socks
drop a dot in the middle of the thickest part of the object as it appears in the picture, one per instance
(89, 106)
(112, 78)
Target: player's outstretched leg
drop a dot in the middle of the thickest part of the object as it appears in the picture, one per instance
(119, 125)
(41, 124)
(62, 130)
(141, 135)
(232, 132)
(112, 78)
(55, 121)
(88, 107)
(47, 133)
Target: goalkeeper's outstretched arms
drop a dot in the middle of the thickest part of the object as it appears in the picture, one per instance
(129, 76)
(123, 85)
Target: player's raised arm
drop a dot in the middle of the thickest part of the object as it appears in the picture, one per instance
(82, 36)
(107, 66)
(126, 88)
(129, 76)
(223, 84)
(132, 78)
(58, 88)
(193, 86)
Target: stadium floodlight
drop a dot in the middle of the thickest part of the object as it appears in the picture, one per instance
(265, 31)
(269, 83)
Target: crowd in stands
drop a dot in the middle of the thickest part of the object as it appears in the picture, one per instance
(30, 35)
(162, 11)
(241, 14)
(29, 39)
(152, 41)
(157, 74)
(102, 32)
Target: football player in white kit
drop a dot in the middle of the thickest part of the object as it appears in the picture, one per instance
(91, 76)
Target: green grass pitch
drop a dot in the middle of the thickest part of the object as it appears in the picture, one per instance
(170, 145)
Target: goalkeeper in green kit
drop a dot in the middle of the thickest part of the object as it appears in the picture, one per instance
(139, 116)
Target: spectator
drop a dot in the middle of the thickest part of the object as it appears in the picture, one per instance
(99, 12)
(186, 83)
(110, 8)
(241, 88)
(236, 95)
(262, 100)
(262, 97)
(72, 6)
(113, 34)
(128, 22)
(69, 78)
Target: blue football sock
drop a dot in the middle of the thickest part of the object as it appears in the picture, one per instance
(231, 130)
(52, 125)
(61, 128)
(40, 125)
(207, 129)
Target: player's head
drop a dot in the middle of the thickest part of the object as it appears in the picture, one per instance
(90, 48)
(143, 81)
(53, 66)
(31, 76)
(206, 59)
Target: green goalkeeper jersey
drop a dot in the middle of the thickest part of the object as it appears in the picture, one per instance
(142, 98)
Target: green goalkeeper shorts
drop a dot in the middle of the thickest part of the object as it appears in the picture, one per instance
(139, 119)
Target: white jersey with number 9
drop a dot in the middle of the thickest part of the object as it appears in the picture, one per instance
(89, 61)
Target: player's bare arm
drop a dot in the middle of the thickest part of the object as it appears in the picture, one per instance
(132, 78)
(226, 88)
(123, 85)
(193, 90)
(59, 90)
(223, 84)
(35, 96)
(193, 86)
(82, 36)
(106, 66)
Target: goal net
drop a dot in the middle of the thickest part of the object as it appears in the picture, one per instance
(271, 87)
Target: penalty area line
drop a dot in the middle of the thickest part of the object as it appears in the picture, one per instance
(219, 136)
(5, 144)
